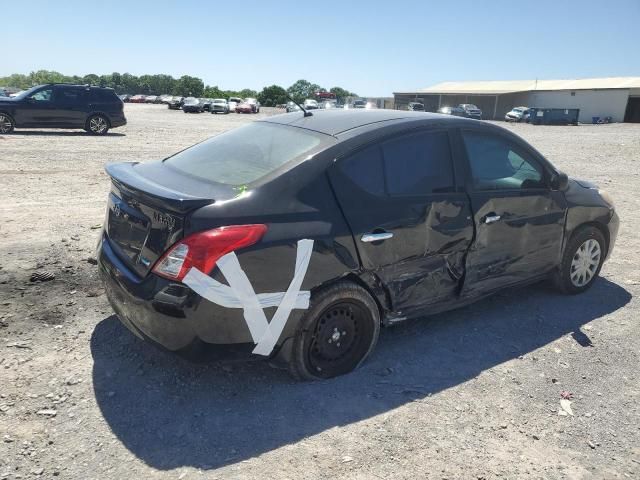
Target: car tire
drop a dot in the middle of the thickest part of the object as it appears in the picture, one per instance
(582, 260)
(97, 125)
(6, 123)
(336, 334)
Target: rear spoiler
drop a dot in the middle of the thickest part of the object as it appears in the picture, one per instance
(126, 177)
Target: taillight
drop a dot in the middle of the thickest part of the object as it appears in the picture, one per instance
(202, 250)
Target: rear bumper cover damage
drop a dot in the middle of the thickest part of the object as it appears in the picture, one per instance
(168, 313)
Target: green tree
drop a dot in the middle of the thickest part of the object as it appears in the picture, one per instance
(302, 89)
(214, 92)
(272, 96)
(189, 86)
(341, 93)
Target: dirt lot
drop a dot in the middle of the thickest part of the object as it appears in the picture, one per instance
(473, 393)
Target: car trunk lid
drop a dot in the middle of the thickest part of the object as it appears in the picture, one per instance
(147, 210)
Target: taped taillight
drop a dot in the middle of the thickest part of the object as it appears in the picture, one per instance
(202, 250)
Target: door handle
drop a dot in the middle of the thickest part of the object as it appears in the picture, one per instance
(491, 218)
(376, 237)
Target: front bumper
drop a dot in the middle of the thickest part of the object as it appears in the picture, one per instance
(613, 226)
(168, 313)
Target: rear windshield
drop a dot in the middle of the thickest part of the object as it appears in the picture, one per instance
(244, 155)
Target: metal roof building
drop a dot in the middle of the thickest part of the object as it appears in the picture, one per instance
(615, 97)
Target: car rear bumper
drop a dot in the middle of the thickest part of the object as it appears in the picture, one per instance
(168, 313)
(118, 121)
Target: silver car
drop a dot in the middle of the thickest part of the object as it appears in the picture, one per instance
(219, 105)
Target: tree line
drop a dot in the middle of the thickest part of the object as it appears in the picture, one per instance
(166, 84)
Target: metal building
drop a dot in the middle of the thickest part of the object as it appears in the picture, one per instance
(615, 97)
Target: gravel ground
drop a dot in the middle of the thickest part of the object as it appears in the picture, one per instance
(473, 393)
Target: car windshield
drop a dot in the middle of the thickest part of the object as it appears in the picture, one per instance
(244, 155)
(26, 93)
(519, 110)
(219, 100)
(191, 101)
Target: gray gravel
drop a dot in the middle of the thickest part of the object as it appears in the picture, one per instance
(473, 393)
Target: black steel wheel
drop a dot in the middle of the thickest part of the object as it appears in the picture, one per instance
(336, 334)
(6, 123)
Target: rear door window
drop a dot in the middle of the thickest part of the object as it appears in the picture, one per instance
(364, 168)
(68, 96)
(498, 164)
(418, 164)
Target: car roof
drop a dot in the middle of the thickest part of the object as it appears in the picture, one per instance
(336, 121)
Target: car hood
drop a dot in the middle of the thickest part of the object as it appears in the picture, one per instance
(585, 183)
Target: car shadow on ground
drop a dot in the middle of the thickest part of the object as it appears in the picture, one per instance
(26, 133)
(173, 413)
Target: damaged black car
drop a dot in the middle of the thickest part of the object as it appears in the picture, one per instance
(297, 237)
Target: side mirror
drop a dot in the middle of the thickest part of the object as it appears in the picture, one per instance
(559, 181)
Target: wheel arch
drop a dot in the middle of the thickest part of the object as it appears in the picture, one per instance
(595, 224)
(379, 295)
(94, 113)
(8, 114)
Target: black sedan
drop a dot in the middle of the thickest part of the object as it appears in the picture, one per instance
(193, 105)
(298, 237)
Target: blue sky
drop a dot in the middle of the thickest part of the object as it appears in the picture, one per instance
(370, 47)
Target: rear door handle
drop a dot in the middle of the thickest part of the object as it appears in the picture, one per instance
(491, 218)
(376, 237)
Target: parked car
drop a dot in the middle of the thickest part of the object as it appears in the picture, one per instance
(175, 103)
(151, 99)
(328, 104)
(304, 216)
(359, 104)
(310, 104)
(415, 107)
(245, 107)
(255, 104)
(233, 103)
(3, 93)
(445, 110)
(192, 105)
(468, 110)
(165, 99)
(138, 99)
(219, 105)
(292, 107)
(206, 104)
(125, 97)
(517, 114)
(52, 105)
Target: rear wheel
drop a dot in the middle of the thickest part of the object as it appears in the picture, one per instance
(98, 125)
(582, 261)
(6, 123)
(336, 334)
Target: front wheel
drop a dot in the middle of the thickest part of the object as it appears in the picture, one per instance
(98, 125)
(582, 261)
(6, 123)
(336, 334)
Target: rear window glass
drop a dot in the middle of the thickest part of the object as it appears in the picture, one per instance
(245, 154)
(102, 95)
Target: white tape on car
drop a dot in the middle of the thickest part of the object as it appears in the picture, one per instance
(240, 294)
